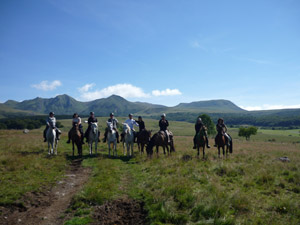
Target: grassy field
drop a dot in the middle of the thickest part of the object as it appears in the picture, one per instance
(249, 187)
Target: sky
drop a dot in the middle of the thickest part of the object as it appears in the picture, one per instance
(163, 52)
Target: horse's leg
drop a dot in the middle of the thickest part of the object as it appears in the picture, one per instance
(168, 149)
(157, 150)
(164, 150)
(49, 148)
(223, 148)
(142, 148)
(132, 148)
(73, 147)
(96, 144)
(204, 151)
(108, 143)
(219, 151)
(198, 151)
(115, 148)
(56, 142)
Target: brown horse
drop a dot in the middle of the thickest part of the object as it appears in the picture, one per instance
(201, 141)
(76, 139)
(143, 138)
(222, 142)
(160, 139)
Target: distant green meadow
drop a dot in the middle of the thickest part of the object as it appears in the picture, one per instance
(251, 186)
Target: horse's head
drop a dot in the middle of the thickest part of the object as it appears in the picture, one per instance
(126, 128)
(109, 126)
(94, 127)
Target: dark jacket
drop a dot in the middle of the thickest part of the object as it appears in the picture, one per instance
(221, 128)
(163, 125)
(92, 120)
(198, 127)
(141, 125)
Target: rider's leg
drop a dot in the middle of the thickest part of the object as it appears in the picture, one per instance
(194, 140)
(117, 136)
(58, 132)
(206, 140)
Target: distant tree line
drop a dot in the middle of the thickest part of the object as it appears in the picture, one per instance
(25, 123)
(239, 119)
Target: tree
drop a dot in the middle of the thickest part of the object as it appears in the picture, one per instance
(207, 121)
(247, 132)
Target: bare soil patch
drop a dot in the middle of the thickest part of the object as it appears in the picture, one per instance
(47, 207)
(119, 212)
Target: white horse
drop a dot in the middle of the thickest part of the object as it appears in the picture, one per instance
(51, 139)
(111, 138)
(128, 140)
(93, 137)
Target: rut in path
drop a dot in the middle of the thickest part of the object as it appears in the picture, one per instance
(47, 208)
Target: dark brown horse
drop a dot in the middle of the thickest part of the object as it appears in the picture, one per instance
(160, 139)
(143, 138)
(201, 141)
(76, 139)
(223, 142)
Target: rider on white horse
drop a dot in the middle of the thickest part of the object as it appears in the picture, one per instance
(51, 122)
(114, 122)
(91, 119)
(76, 120)
(131, 122)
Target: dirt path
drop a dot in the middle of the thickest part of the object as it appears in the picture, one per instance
(47, 207)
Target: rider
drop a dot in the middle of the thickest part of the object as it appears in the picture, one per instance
(131, 122)
(76, 120)
(141, 125)
(114, 122)
(91, 119)
(163, 125)
(198, 126)
(222, 130)
(51, 122)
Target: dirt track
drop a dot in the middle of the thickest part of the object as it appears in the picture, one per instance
(47, 207)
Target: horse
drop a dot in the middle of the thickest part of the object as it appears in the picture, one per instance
(111, 138)
(52, 140)
(222, 142)
(128, 140)
(143, 138)
(201, 141)
(93, 137)
(160, 139)
(76, 139)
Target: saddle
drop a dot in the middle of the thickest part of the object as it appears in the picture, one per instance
(167, 133)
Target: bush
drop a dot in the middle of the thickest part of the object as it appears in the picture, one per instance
(247, 132)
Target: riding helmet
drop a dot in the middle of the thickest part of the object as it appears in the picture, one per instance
(51, 113)
(163, 115)
(92, 113)
(111, 114)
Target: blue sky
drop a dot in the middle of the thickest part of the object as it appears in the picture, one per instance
(163, 52)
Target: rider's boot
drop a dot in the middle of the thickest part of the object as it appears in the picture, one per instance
(207, 145)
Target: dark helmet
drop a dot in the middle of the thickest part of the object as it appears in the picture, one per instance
(51, 113)
(111, 114)
(92, 113)
(75, 114)
(130, 114)
(221, 119)
(163, 115)
(139, 117)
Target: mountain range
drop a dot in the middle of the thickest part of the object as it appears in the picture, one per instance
(66, 105)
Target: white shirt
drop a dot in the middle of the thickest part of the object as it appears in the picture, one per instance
(76, 120)
(131, 122)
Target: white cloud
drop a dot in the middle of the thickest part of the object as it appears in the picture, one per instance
(123, 90)
(167, 92)
(270, 107)
(86, 87)
(47, 86)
